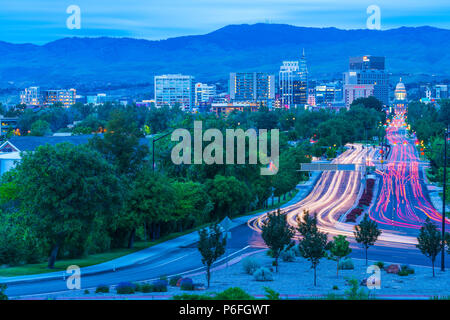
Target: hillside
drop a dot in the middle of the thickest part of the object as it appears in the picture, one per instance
(84, 62)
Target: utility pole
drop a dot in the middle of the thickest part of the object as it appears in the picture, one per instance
(446, 135)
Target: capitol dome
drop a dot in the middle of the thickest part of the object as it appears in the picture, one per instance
(400, 91)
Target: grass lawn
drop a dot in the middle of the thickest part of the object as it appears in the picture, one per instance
(90, 260)
(98, 258)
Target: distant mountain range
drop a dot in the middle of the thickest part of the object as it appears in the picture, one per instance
(84, 62)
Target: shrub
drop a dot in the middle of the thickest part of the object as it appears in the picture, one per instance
(174, 280)
(271, 294)
(146, 288)
(3, 287)
(263, 274)
(250, 265)
(102, 289)
(234, 294)
(160, 286)
(86, 291)
(187, 284)
(380, 264)
(126, 288)
(137, 287)
(405, 270)
(346, 264)
(354, 292)
(296, 251)
(288, 255)
(335, 287)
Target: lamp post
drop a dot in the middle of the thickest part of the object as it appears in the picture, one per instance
(446, 135)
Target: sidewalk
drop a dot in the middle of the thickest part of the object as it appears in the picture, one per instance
(164, 247)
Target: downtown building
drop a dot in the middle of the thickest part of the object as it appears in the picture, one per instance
(254, 87)
(175, 90)
(204, 93)
(366, 75)
(293, 83)
(33, 96)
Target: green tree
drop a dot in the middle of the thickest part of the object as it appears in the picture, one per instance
(120, 144)
(366, 233)
(369, 102)
(314, 243)
(63, 188)
(228, 194)
(339, 248)
(277, 234)
(211, 246)
(429, 241)
(40, 128)
(150, 202)
(193, 204)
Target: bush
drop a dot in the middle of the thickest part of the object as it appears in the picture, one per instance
(346, 264)
(250, 265)
(263, 274)
(137, 287)
(126, 288)
(296, 251)
(234, 294)
(3, 296)
(86, 291)
(187, 284)
(335, 287)
(288, 255)
(174, 280)
(380, 264)
(146, 288)
(405, 270)
(271, 294)
(160, 286)
(355, 292)
(102, 289)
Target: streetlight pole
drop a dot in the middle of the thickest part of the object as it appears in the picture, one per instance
(446, 134)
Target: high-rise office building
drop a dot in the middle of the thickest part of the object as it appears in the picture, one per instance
(252, 86)
(174, 89)
(204, 92)
(369, 70)
(293, 83)
(31, 96)
(65, 97)
(355, 91)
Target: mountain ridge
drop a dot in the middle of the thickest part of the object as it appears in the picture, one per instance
(210, 57)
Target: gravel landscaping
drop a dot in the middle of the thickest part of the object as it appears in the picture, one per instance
(295, 280)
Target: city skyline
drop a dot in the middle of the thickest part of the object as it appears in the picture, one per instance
(29, 22)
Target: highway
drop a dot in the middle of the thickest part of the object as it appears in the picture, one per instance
(402, 189)
(403, 203)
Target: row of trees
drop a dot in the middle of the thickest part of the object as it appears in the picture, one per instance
(429, 122)
(313, 244)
